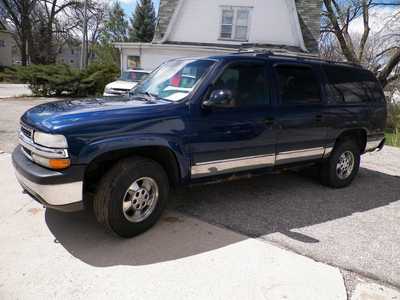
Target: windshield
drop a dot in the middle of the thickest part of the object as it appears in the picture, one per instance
(174, 80)
(133, 76)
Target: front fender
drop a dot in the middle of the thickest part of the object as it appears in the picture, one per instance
(95, 149)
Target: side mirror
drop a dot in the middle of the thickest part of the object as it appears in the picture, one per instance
(219, 99)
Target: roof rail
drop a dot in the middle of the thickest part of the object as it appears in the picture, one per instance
(293, 54)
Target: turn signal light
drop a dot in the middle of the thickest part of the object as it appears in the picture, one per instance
(59, 164)
(52, 163)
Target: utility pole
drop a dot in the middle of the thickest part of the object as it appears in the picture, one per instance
(84, 51)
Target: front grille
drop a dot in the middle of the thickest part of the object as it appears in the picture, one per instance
(26, 131)
(121, 90)
(26, 134)
(118, 91)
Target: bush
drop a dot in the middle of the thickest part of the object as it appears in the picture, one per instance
(50, 80)
(96, 77)
(7, 74)
(393, 125)
(393, 119)
(58, 80)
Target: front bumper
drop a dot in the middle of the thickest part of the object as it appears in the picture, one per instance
(60, 190)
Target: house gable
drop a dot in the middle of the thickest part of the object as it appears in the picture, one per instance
(309, 12)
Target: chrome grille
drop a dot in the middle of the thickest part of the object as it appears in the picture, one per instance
(118, 91)
(26, 131)
(29, 148)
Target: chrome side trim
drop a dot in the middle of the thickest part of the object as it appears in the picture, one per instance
(298, 155)
(42, 151)
(373, 144)
(327, 152)
(55, 195)
(230, 165)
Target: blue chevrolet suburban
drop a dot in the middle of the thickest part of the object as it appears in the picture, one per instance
(194, 121)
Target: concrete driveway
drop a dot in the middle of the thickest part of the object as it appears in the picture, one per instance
(355, 229)
(8, 90)
(10, 112)
(50, 255)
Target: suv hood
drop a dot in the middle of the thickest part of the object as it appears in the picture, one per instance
(54, 116)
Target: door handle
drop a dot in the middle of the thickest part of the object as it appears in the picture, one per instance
(269, 121)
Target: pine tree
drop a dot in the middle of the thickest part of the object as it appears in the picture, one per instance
(143, 22)
(116, 26)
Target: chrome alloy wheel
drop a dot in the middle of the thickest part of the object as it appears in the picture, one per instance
(345, 165)
(140, 200)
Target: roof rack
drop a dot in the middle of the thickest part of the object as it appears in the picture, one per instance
(292, 54)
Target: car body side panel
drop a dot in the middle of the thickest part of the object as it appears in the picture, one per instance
(302, 129)
(224, 139)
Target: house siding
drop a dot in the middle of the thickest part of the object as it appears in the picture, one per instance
(309, 16)
(6, 44)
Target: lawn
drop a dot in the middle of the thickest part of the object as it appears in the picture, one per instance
(392, 139)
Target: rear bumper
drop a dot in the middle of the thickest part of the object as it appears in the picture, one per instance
(58, 190)
(374, 143)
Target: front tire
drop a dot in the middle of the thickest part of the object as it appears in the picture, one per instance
(131, 196)
(340, 169)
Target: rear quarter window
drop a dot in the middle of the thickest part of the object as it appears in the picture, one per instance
(348, 85)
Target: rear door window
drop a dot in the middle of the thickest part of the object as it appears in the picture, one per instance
(352, 86)
(298, 85)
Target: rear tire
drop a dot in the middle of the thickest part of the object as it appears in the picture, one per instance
(340, 169)
(131, 196)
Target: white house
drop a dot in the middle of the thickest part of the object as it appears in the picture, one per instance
(6, 44)
(192, 28)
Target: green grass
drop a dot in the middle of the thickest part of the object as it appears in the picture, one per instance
(392, 139)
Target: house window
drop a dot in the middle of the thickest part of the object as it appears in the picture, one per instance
(2, 43)
(133, 62)
(235, 23)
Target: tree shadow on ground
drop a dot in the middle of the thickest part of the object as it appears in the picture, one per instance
(254, 207)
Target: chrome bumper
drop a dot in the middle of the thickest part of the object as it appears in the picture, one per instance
(374, 143)
(58, 190)
(66, 197)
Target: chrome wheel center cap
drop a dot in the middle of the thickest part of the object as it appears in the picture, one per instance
(345, 165)
(140, 199)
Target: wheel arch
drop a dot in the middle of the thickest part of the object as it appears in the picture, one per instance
(359, 134)
(102, 163)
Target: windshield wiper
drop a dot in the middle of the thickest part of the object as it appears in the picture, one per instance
(149, 97)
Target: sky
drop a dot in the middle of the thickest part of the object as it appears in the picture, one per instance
(129, 5)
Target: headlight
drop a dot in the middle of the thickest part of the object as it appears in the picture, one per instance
(50, 140)
(108, 90)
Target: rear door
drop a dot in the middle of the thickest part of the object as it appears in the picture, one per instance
(302, 133)
(356, 101)
(236, 138)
